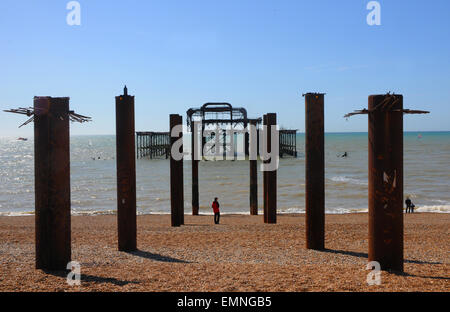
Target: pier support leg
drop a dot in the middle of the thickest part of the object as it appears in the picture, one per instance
(246, 141)
(315, 171)
(195, 161)
(253, 187)
(126, 173)
(253, 158)
(176, 173)
(386, 183)
(271, 175)
(52, 183)
(263, 137)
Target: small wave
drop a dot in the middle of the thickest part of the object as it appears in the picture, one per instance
(16, 214)
(93, 212)
(434, 208)
(440, 201)
(338, 210)
(344, 179)
(210, 213)
(288, 185)
(291, 210)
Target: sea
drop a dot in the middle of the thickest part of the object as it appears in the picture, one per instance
(93, 177)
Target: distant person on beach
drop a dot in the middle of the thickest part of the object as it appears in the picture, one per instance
(215, 207)
(409, 206)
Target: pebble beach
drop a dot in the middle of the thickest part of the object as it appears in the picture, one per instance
(240, 254)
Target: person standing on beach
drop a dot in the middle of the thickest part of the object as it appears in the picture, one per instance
(409, 205)
(215, 207)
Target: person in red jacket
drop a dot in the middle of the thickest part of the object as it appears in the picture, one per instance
(215, 207)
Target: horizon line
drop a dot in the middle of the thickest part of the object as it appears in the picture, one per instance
(298, 132)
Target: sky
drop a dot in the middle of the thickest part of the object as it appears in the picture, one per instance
(261, 55)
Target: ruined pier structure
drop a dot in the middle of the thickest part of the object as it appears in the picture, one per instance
(51, 118)
(152, 144)
(214, 116)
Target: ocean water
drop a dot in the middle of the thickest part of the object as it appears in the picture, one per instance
(93, 177)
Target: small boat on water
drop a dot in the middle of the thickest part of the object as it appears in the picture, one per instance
(22, 139)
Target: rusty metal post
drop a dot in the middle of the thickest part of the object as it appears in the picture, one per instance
(253, 187)
(195, 161)
(176, 174)
(224, 144)
(126, 173)
(314, 171)
(52, 183)
(271, 179)
(264, 138)
(246, 140)
(253, 180)
(386, 183)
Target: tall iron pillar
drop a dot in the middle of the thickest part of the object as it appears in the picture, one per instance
(263, 136)
(246, 139)
(253, 174)
(195, 160)
(176, 175)
(52, 183)
(271, 178)
(386, 182)
(314, 171)
(126, 172)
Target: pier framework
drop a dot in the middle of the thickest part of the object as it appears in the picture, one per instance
(152, 144)
(288, 142)
(222, 117)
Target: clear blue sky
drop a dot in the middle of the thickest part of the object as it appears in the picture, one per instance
(258, 54)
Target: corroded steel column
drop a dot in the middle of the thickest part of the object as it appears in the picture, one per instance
(253, 178)
(195, 161)
(314, 171)
(263, 135)
(126, 172)
(271, 178)
(246, 140)
(386, 181)
(52, 183)
(176, 173)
